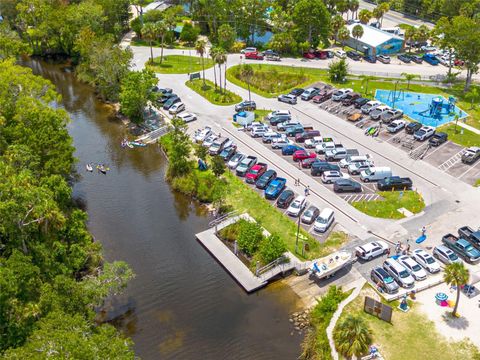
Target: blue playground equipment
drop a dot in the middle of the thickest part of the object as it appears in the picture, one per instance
(437, 107)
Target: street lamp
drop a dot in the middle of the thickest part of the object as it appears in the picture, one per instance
(395, 93)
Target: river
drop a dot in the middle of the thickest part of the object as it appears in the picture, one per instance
(182, 304)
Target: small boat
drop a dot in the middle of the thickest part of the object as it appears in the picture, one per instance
(327, 266)
(137, 144)
(89, 167)
(102, 168)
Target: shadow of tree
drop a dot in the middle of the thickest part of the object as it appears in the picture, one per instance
(459, 323)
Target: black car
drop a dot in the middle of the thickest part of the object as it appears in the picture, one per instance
(227, 153)
(246, 106)
(265, 179)
(319, 167)
(405, 58)
(346, 185)
(330, 54)
(438, 138)
(358, 103)
(394, 183)
(417, 59)
(163, 98)
(370, 59)
(412, 127)
(285, 199)
(172, 100)
(297, 92)
(354, 55)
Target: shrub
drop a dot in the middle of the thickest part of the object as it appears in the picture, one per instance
(237, 46)
(249, 237)
(338, 71)
(271, 248)
(218, 166)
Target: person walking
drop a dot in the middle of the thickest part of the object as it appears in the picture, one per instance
(306, 191)
(296, 182)
(388, 252)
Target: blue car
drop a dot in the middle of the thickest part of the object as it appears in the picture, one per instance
(275, 188)
(431, 59)
(290, 149)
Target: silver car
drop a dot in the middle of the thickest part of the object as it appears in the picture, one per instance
(309, 215)
(445, 255)
(235, 160)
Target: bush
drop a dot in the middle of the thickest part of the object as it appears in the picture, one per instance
(249, 237)
(218, 166)
(189, 33)
(271, 248)
(237, 46)
(338, 71)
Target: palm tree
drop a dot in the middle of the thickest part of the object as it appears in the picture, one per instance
(377, 13)
(150, 33)
(409, 36)
(343, 35)
(221, 58)
(384, 7)
(364, 16)
(410, 77)
(365, 80)
(353, 6)
(352, 336)
(357, 33)
(201, 47)
(336, 24)
(162, 30)
(342, 6)
(213, 54)
(246, 72)
(456, 274)
(472, 95)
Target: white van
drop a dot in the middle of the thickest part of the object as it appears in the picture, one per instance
(351, 159)
(324, 220)
(375, 174)
(399, 273)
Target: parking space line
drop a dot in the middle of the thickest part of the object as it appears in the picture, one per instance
(434, 151)
(395, 136)
(469, 169)
(451, 161)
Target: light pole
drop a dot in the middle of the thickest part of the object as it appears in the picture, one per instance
(395, 93)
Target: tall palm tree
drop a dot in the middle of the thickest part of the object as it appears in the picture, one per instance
(335, 24)
(221, 58)
(150, 33)
(410, 77)
(364, 16)
(409, 36)
(162, 30)
(354, 5)
(456, 274)
(473, 96)
(213, 54)
(201, 48)
(365, 81)
(357, 33)
(343, 35)
(352, 336)
(246, 72)
(384, 7)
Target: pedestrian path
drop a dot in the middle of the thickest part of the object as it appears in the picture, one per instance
(468, 127)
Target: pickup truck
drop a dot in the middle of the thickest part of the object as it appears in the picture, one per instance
(471, 155)
(297, 129)
(255, 172)
(339, 153)
(320, 149)
(471, 235)
(317, 140)
(462, 247)
(394, 183)
(245, 165)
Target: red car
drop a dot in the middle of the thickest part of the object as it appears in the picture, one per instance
(307, 163)
(321, 54)
(254, 56)
(309, 55)
(300, 155)
(458, 62)
(255, 172)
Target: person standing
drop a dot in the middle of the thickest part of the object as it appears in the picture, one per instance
(424, 230)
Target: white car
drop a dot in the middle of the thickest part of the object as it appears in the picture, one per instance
(340, 94)
(371, 250)
(329, 177)
(287, 98)
(424, 133)
(297, 206)
(235, 160)
(176, 108)
(187, 117)
(324, 146)
(248, 50)
(280, 143)
(340, 53)
(396, 126)
(357, 167)
(413, 267)
(278, 113)
(426, 260)
(370, 106)
(210, 140)
(312, 143)
(201, 135)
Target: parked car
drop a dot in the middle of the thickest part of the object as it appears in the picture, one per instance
(340, 53)
(311, 143)
(438, 138)
(323, 95)
(324, 220)
(352, 159)
(412, 127)
(339, 153)
(280, 143)
(462, 247)
(325, 146)
(265, 179)
(187, 117)
(413, 267)
(321, 54)
(255, 172)
(290, 149)
(350, 98)
(308, 55)
(371, 250)
(246, 106)
(269, 136)
(346, 185)
(248, 50)
(254, 55)
(176, 108)
(399, 273)
(389, 115)
(235, 160)
(426, 260)
(275, 187)
(297, 206)
(329, 177)
(285, 199)
(318, 168)
(340, 94)
(404, 58)
(417, 59)
(309, 215)
(354, 55)
(294, 130)
(431, 59)
(209, 140)
(306, 135)
(471, 235)
(384, 59)
(380, 277)
(287, 98)
(424, 133)
(300, 155)
(307, 163)
(358, 103)
(309, 93)
(394, 183)
(357, 167)
(370, 58)
(297, 92)
(471, 155)
(165, 97)
(445, 255)
(259, 131)
(376, 114)
(228, 153)
(370, 106)
(278, 119)
(282, 126)
(170, 102)
(245, 165)
(201, 135)
(272, 57)
(218, 145)
(395, 126)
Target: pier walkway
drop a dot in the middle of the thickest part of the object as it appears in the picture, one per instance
(154, 135)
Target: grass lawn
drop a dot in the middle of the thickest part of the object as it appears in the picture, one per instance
(409, 336)
(477, 183)
(244, 199)
(156, 44)
(468, 138)
(212, 95)
(260, 114)
(387, 208)
(273, 80)
(179, 64)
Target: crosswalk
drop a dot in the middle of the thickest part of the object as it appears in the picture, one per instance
(360, 197)
(451, 161)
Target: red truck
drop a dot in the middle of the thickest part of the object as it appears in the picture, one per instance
(255, 172)
(300, 155)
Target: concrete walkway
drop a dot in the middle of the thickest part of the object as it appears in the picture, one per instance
(468, 127)
(358, 287)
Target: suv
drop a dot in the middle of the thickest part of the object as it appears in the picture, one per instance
(445, 255)
(287, 98)
(383, 280)
(399, 273)
(471, 155)
(309, 93)
(384, 59)
(274, 114)
(318, 168)
(424, 133)
(371, 250)
(246, 106)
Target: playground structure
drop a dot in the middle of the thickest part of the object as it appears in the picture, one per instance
(437, 107)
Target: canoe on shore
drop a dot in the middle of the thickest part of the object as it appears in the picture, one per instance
(329, 265)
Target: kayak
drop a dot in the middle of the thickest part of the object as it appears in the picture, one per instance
(103, 169)
(89, 167)
(137, 143)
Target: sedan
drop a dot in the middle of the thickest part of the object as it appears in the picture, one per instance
(405, 58)
(176, 108)
(353, 55)
(426, 260)
(300, 155)
(396, 126)
(285, 199)
(370, 59)
(187, 117)
(346, 185)
(307, 163)
(413, 267)
(296, 92)
(417, 59)
(235, 160)
(340, 53)
(384, 59)
(297, 206)
(265, 179)
(288, 98)
(310, 215)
